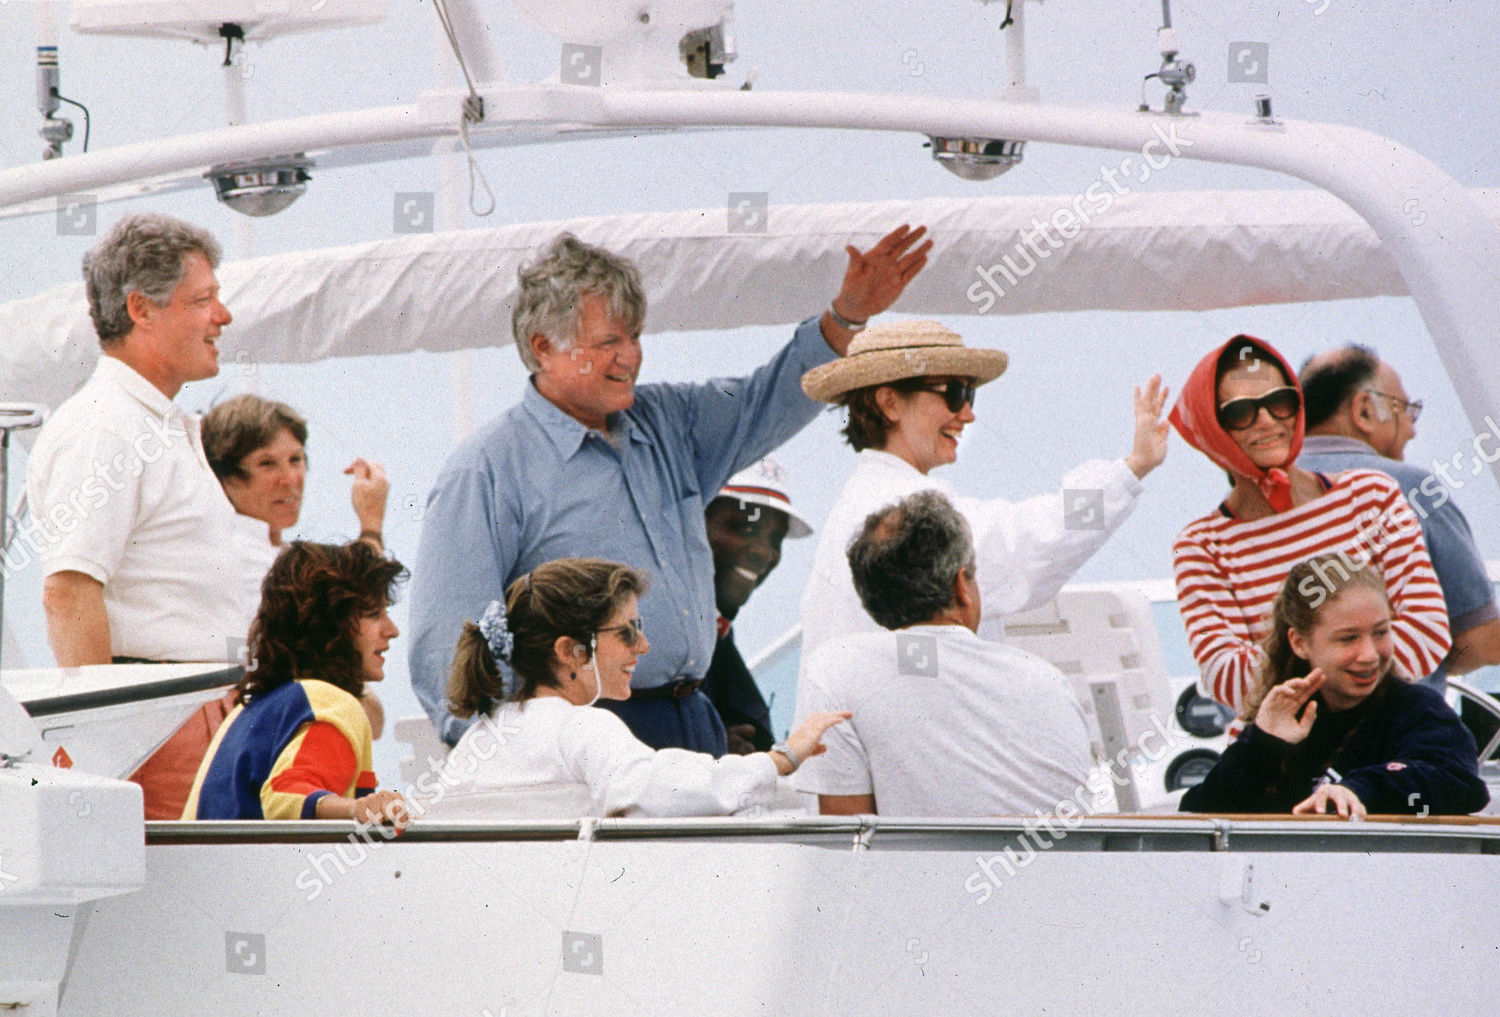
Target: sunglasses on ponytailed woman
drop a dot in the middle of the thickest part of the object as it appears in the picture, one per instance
(630, 632)
(955, 392)
(1281, 403)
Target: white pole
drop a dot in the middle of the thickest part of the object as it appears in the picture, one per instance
(243, 226)
(1436, 233)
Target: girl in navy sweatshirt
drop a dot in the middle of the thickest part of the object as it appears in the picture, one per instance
(1332, 726)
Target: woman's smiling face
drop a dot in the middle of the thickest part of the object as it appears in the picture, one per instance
(924, 431)
(1267, 442)
(1351, 642)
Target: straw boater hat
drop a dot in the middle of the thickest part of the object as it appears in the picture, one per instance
(897, 350)
(764, 483)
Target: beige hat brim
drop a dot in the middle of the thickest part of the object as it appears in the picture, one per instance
(829, 382)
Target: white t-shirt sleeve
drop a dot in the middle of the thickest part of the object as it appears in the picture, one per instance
(84, 523)
(845, 768)
(626, 777)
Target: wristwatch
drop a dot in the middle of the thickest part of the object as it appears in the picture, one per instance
(786, 750)
(845, 323)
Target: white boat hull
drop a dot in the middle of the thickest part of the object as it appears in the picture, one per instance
(1120, 916)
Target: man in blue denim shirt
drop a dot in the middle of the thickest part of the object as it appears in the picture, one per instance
(590, 465)
(1358, 416)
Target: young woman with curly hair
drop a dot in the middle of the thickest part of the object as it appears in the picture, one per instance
(297, 745)
(1333, 722)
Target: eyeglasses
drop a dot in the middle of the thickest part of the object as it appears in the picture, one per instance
(955, 392)
(1281, 403)
(631, 632)
(1412, 407)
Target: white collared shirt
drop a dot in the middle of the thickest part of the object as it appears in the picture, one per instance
(120, 491)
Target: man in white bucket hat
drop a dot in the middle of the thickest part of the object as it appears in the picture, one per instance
(746, 522)
(909, 388)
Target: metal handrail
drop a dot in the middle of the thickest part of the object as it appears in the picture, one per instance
(1486, 702)
(1477, 834)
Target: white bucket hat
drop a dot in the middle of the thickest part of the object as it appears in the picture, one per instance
(764, 483)
(902, 349)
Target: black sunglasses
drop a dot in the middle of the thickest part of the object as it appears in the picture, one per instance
(955, 392)
(630, 632)
(1281, 403)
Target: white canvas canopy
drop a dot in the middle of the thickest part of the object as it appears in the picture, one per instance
(450, 291)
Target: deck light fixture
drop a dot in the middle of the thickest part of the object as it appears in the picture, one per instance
(261, 187)
(975, 158)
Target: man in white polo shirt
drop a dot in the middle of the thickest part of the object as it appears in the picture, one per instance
(138, 536)
(945, 723)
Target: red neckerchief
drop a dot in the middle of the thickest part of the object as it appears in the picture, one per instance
(1196, 418)
(723, 626)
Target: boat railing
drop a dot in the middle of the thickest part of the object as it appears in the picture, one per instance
(1114, 833)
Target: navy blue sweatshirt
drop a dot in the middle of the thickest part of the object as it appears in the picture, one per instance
(1402, 750)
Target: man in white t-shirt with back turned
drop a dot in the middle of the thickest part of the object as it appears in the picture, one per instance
(137, 536)
(945, 723)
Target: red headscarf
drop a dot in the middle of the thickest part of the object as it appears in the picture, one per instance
(1196, 418)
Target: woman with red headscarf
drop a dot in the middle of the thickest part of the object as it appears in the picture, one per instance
(1242, 408)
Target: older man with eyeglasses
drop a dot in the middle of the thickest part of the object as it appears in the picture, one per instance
(1359, 417)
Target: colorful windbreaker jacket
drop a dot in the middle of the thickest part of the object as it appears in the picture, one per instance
(274, 758)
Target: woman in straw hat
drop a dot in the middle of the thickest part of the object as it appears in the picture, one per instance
(909, 389)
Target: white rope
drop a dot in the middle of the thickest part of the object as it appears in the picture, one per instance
(473, 112)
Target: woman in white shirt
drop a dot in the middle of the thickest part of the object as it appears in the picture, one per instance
(909, 388)
(568, 635)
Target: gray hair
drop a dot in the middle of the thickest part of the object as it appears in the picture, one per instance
(906, 557)
(142, 253)
(553, 286)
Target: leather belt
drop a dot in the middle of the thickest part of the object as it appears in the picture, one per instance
(672, 690)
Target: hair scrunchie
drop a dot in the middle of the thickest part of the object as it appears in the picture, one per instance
(501, 642)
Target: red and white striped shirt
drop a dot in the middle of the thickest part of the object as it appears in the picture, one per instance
(1229, 571)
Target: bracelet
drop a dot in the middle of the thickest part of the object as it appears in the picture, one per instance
(845, 323)
(372, 533)
(786, 750)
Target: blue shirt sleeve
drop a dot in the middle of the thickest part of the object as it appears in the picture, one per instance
(463, 560)
(732, 422)
(1455, 557)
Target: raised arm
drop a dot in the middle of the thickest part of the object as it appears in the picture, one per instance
(368, 493)
(1027, 550)
(873, 281)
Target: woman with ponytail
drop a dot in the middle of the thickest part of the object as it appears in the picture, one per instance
(1333, 724)
(1242, 408)
(568, 635)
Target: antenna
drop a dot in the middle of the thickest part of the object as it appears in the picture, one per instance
(55, 130)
